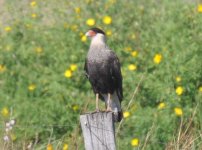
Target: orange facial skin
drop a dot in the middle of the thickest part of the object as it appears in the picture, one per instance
(91, 33)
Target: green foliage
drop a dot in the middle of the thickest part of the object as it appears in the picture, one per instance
(44, 42)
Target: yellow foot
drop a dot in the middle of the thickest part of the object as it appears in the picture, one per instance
(109, 109)
(96, 110)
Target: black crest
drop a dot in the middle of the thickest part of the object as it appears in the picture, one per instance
(97, 30)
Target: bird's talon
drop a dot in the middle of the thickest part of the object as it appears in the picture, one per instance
(96, 111)
(109, 110)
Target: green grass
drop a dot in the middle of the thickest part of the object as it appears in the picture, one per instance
(50, 112)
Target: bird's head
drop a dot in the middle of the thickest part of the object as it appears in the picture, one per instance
(96, 34)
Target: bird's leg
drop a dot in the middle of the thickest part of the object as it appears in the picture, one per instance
(109, 102)
(97, 102)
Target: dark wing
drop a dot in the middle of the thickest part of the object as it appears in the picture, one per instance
(87, 75)
(86, 68)
(115, 70)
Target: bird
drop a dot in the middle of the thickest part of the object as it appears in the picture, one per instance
(103, 69)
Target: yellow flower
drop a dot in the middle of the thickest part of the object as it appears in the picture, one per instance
(74, 27)
(75, 107)
(5, 112)
(126, 114)
(165, 49)
(38, 49)
(107, 20)
(90, 22)
(8, 29)
(157, 58)
(2, 68)
(108, 32)
(8, 47)
(78, 17)
(65, 147)
(73, 67)
(200, 8)
(112, 1)
(31, 87)
(66, 25)
(28, 26)
(134, 53)
(81, 34)
(49, 147)
(13, 137)
(33, 4)
(178, 78)
(132, 67)
(83, 38)
(77, 10)
(179, 90)
(133, 36)
(178, 111)
(135, 142)
(128, 49)
(34, 15)
(161, 105)
(89, 1)
(68, 73)
(200, 89)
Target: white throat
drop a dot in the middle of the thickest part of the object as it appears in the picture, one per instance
(98, 41)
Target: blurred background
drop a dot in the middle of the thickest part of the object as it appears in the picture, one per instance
(43, 89)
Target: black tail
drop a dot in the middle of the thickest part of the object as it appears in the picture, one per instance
(118, 116)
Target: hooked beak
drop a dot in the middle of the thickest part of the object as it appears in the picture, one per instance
(87, 34)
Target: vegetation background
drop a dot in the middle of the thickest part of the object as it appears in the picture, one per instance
(43, 88)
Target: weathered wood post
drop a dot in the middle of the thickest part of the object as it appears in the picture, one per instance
(98, 131)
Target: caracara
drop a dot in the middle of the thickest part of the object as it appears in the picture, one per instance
(103, 70)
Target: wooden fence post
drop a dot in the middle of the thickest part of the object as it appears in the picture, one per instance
(98, 131)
